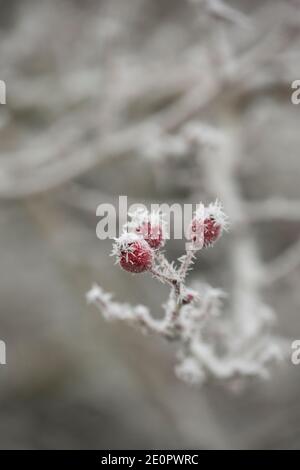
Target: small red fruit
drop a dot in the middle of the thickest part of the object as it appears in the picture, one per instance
(152, 234)
(133, 253)
(212, 231)
(207, 225)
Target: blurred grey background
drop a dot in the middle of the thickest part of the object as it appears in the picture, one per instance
(83, 79)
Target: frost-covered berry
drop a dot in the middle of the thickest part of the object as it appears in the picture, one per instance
(150, 226)
(212, 231)
(207, 225)
(133, 253)
(152, 234)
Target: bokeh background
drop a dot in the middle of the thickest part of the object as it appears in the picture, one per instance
(89, 85)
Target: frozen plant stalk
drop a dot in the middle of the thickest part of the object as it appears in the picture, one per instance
(191, 315)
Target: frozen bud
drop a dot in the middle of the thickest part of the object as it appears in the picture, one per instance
(133, 253)
(188, 298)
(151, 227)
(207, 225)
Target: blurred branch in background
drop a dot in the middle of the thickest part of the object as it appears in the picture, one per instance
(160, 100)
(75, 144)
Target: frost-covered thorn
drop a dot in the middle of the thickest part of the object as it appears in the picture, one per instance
(190, 371)
(164, 277)
(96, 294)
(93, 294)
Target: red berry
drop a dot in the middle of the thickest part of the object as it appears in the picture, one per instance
(212, 231)
(153, 234)
(207, 225)
(133, 253)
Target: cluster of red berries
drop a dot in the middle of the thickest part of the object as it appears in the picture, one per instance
(135, 249)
